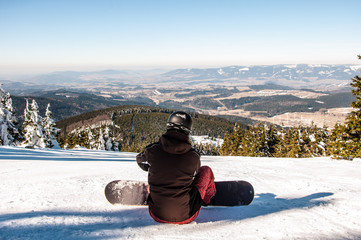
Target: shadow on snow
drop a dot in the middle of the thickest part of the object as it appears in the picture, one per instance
(72, 225)
(102, 225)
(263, 204)
(63, 155)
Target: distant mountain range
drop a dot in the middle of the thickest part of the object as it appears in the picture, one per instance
(306, 73)
(299, 72)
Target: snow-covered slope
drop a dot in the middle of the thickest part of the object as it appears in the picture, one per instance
(47, 194)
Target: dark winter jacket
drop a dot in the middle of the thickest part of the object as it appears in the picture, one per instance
(171, 164)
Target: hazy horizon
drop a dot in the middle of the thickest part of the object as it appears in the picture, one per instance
(19, 74)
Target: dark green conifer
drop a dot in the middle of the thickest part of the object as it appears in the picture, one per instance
(345, 140)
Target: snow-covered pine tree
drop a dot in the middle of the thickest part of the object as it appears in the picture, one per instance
(318, 138)
(84, 137)
(26, 124)
(9, 133)
(32, 127)
(110, 143)
(80, 137)
(99, 143)
(75, 139)
(108, 140)
(50, 131)
(92, 137)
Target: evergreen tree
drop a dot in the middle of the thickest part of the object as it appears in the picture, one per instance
(270, 133)
(260, 141)
(32, 127)
(339, 142)
(289, 143)
(246, 143)
(232, 142)
(50, 131)
(71, 140)
(208, 149)
(305, 142)
(110, 143)
(9, 133)
(281, 146)
(294, 146)
(92, 137)
(353, 121)
(263, 140)
(99, 143)
(85, 138)
(318, 138)
(349, 140)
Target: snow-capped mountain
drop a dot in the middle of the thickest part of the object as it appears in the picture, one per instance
(300, 72)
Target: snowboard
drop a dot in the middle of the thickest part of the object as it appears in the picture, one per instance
(229, 193)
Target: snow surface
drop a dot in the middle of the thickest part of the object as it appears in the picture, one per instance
(59, 194)
(204, 140)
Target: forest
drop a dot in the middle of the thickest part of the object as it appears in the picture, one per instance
(133, 127)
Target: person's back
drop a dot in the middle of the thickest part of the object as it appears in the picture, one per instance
(172, 165)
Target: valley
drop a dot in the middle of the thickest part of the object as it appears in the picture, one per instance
(282, 94)
(297, 107)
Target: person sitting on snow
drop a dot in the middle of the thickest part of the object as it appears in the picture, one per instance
(178, 185)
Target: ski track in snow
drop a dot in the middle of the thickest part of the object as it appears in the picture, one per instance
(59, 194)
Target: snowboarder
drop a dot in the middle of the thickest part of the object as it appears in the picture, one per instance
(178, 185)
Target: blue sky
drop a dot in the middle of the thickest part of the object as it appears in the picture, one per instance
(45, 35)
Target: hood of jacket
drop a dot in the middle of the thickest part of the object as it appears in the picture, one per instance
(175, 142)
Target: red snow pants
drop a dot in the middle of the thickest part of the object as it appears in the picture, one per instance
(204, 181)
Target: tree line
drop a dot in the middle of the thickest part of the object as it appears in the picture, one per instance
(265, 140)
(132, 128)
